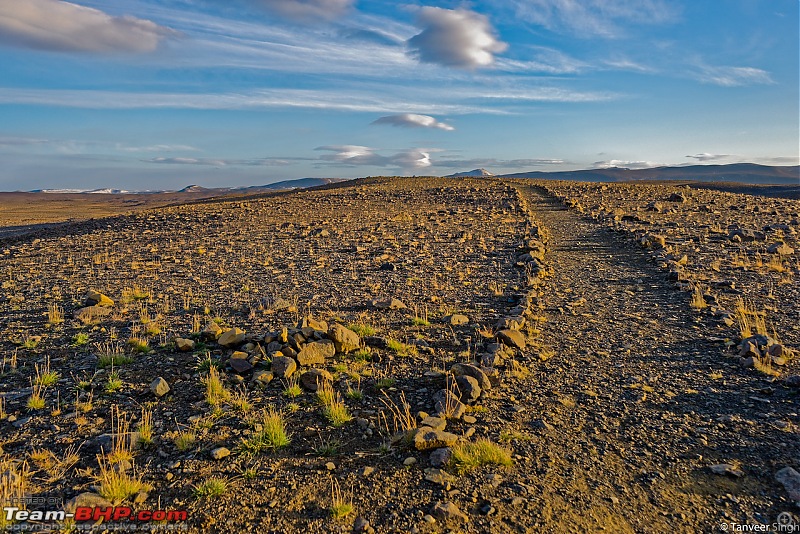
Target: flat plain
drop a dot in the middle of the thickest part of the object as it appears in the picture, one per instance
(409, 355)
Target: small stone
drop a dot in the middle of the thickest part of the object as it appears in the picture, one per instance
(470, 420)
(313, 377)
(408, 462)
(448, 512)
(436, 423)
(220, 452)
(263, 377)
(184, 345)
(469, 388)
(366, 471)
(726, 469)
(212, 331)
(437, 476)
(441, 457)
(457, 319)
(330, 466)
(389, 304)
(283, 366)
(240, 365)
(86, 499)
(477, 373)
(362, 525)
(426, 438)
(159, 387)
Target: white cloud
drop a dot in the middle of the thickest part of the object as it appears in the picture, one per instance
(307, 10)
(217, 162)
(625, 164)
(413, 120)
(461, 100)
(357, 155)
(496, 163)
(455, 38)
(66, 27)
(155, 148)
(593, 18)
(705, 156)
(732, 76)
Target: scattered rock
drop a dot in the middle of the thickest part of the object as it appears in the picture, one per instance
(790, 479)
(441, 457)
(95, 298)
(457, 319)
(314, 353)
(313, 377)
(344, 339)
(426, 438)
(726, 469)
(283, 366)
(512, 338)
(448, 512)
(86, 499)
(184, 345)
(159, 387)
(220, 452)
(477, 373)
(389, 304)
(231, 337)
(91, 314)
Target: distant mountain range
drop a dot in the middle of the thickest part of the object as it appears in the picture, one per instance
(476, 173)
(749, 173)
(300, 183)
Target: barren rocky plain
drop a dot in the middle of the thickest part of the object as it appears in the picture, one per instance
(410, 355)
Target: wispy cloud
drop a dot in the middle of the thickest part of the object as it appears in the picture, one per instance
(732, 76)
(455, 38)
(65, 27)
(705, 156)
(594, 18)
(417, 100)
(156, 148)
(21, 141)
(357, 155)
(625, 164)
(213, 162)
(306, 10)
(413, 120)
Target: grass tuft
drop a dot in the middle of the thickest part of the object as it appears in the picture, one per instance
(470, 455)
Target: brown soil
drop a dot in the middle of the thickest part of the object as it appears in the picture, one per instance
(614, 413)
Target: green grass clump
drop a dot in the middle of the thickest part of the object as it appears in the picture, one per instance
(211, 487)
(362, 329)
(271, 436)
(80, 339)
(114, 383)
(469, 455)
(185, 440)
(384, 383)
(400, 348)
(104, 361)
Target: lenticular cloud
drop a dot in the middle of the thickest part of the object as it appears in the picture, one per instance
(455, 38)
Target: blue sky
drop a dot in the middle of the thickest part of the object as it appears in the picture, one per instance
(144, 94)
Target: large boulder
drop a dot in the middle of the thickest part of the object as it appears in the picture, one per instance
(231, 337)
(315, 353)
(512, 338)
(312, 378)
(344, 339)
(283, 366)
(95, 298)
